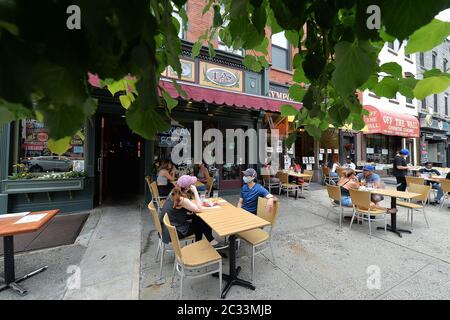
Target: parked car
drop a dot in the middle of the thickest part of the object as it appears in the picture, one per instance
(48, 163)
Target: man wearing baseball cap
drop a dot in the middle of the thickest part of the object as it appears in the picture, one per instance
(251, 191)
(372, 178)
(401, 169)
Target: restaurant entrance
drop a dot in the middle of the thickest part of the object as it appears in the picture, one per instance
(119, 154)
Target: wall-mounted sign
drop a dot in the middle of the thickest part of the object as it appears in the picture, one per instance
(311, 160)
(305, 160)
(385, 151)
(278, 92)
(187, 71)
(220, 77)
(370, 150)
(336, 151)
(322, 150)
(329, 151)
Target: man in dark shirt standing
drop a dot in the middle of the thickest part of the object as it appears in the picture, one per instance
(401, 169)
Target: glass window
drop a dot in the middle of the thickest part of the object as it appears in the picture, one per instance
(434, 60)
(280, 51)
(176, 14)
(391, 45)
(422, 59)
(424, 103)
(381, 148)
(444, 65)
(435, 103)
(36, 156)
(222, 46)
(446, 104)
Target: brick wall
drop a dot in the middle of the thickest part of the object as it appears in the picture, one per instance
(198, 23)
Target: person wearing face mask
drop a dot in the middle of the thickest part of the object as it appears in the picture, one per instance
(251, 191)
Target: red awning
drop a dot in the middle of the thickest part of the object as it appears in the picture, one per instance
(229, 98)
(391, 123)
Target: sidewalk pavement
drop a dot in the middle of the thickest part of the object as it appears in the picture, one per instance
(314, 259)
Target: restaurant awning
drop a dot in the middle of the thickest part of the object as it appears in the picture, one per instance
(390, 123)
(223, 97)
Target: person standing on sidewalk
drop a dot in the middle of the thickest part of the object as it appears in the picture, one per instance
(401, 169)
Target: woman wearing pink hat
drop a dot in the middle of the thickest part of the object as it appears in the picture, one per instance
(181, 211)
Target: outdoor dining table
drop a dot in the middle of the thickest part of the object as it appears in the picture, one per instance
(301, 176)
(394, 194)
(228, 220)
(11, 226)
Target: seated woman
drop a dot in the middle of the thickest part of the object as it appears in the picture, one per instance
(165, 178)
(182, 212)
(347, 182)
(202, 175)
(297, 168)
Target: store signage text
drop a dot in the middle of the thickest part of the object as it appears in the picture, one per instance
(221, 77)
(279, 95)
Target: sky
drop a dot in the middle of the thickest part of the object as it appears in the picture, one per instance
(444, 15)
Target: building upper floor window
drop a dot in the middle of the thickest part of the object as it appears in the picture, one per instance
(280, 52)
(222, 46)
(424, 104)
(391, 45)
(446, 104)
(435, 103)
(444, 65)
(434, 58)
(422, 59)
(176, 15)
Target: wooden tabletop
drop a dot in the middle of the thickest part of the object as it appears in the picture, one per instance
(395, 193)
(228, 219)
(299, 175)
(8, 228)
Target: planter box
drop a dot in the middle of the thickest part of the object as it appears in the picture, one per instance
(41, 185)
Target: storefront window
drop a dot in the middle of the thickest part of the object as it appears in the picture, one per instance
(36, 156)
(381, 148)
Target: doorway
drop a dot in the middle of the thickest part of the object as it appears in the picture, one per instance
(120, 169)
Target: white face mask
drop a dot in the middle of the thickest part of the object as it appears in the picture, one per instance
(247, 179)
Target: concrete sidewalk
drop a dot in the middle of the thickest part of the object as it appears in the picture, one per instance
(110, 266)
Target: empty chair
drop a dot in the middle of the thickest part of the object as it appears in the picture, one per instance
(259, 237)
(307, 180)
(193, 257)
(156, 199)
(285, 185)
(162, 247)
(445, 185)
(421, 201)
(414, 180)
(361, 207)
(271, 184)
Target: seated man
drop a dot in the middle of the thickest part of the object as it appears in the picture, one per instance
(251, 191)
(372, 179)
(349, 164)
(429, 170)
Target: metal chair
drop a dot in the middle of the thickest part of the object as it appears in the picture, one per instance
(421, 201)
(326, 172)
(193, 257)
(269, 184)
(285, 185)
(156, 198)
(162, 247)
(445, 185)
(307, 181)
(334, 192)
(361, 207)
(259, 237)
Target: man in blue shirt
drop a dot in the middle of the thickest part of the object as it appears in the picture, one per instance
(372, 179)
(251, 191)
